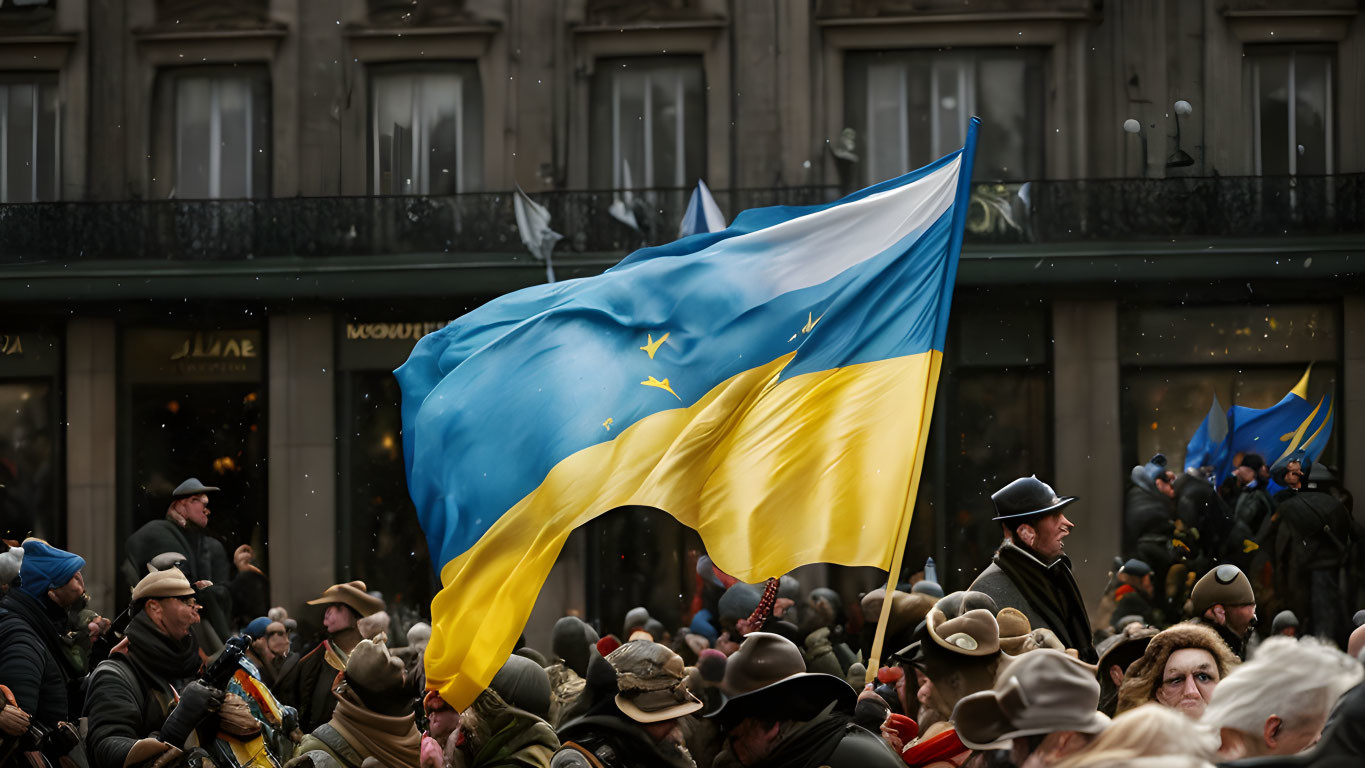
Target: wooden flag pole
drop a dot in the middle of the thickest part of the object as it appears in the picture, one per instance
(964, 186)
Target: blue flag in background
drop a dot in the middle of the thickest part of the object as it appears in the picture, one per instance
(1209, 442)
(1292, 424)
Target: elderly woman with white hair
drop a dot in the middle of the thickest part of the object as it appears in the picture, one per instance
(1277, 703)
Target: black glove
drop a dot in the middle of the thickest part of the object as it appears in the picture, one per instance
(197, 702)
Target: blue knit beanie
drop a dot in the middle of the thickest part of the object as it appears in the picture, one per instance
(46, 567)
(257, 627)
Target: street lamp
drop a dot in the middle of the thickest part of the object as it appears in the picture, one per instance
(1180, 158)
(1131, 125)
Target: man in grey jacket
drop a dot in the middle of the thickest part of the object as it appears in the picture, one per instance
(1030, 571)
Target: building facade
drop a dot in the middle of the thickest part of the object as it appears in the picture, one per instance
(222, 225)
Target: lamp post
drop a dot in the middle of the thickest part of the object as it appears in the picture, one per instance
(1131, 125)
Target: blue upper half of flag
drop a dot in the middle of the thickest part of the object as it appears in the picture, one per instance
(1293, 424)
(496, 399)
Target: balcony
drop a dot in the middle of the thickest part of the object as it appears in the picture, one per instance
(483, 225)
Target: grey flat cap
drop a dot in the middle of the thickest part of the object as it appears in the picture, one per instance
(191, 487)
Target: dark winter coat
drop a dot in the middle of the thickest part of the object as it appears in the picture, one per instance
(1312, 544)
(308, 685)
(1200, 508)
(133, 691)
(1046, 594)
(1253, 507)
(828, 739)
(1131, 602)
(615, 741)
(34, 663)
(205, 557)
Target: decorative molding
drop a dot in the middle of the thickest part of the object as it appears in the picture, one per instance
(375, 45)
(36, 52)
(1289, 26)
(954, 18)
(208, 46)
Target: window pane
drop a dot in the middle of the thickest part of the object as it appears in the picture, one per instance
(427, 136)
(648, 116)
(19, 143)
(234, 139)
(1310, 112)
(27, 503)
(911, 107)
(221, 134)
(1270, 79)
(193, 103)
(45, 165)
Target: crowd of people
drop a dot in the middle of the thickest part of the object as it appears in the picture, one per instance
(1015, 670)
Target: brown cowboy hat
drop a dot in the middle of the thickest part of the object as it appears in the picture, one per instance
(352, 594)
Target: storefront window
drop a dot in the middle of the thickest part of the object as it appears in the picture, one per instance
(195, 407)
(27, 461)
(1177, 360)
(379, 526)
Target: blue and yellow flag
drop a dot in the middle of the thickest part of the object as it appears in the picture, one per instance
(1293, 424)
(769, 385)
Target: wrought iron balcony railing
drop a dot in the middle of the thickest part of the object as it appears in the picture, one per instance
(1055, 212)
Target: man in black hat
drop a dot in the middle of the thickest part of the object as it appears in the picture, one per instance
(778, 714)
(1030, 572)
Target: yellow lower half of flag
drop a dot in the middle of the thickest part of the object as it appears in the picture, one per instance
(772, 474)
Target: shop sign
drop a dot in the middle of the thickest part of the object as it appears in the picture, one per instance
(170, 355)
(28, 352)
(367, 346)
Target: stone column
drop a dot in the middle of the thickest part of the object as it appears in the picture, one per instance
(1086, 434)
(302, 475)
(91, 493)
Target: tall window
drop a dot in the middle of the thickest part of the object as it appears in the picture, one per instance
(908, 108)
(218, 134)
(1290, 93)
(648, 123)
(426, 136)
(29, 137)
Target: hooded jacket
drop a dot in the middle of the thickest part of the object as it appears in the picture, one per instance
(1046, 594)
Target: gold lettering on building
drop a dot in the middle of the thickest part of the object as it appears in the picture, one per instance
(214, 347)
(393, 331)
(11, 345)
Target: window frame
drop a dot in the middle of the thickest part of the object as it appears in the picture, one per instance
(37, 80)
(378, 72)
(1251, 90)
(164, 178)
(674, 63)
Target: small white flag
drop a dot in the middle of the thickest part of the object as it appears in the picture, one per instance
(533, 223)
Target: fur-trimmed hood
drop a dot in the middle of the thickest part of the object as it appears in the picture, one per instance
(1141, 681)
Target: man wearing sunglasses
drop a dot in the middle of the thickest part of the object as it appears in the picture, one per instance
(144, 700)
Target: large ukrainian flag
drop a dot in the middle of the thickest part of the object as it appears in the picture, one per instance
(769, 385)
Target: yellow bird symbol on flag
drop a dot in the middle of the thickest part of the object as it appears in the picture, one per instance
(653, 382)
(652, 346)
(607, 424)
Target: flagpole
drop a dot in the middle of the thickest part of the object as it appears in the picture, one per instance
(964, 186)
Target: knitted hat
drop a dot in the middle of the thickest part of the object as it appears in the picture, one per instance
(569, 641)
(9, 564)
(524, 684)
(1224, 585)
(1136, 568)
(1283, 620)
(711, 663)
(257, 627)
(46, 567)
(168, 583)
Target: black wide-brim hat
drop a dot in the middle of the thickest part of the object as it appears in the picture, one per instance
(799, 697)
(1027, 497)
